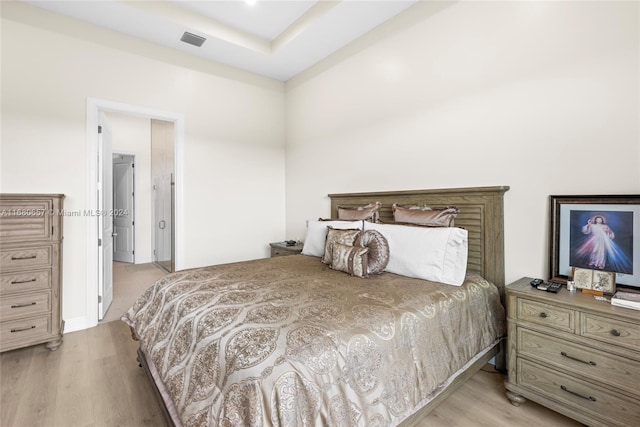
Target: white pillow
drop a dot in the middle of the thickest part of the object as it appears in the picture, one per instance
(317, 234)
(438, 254)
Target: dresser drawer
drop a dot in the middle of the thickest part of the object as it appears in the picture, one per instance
(24, 282)
(24, 330)
(602, 367)
(585, 397)
(279, 252)
(623, 334)
(23, 220)
(546, 314)
(20, 306)
(13, 259)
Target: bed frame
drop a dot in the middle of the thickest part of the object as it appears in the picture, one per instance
(481, 213)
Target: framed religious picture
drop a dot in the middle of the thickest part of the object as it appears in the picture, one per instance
(600, 233)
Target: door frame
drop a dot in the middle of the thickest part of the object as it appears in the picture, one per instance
(94, 107)
(105, 218)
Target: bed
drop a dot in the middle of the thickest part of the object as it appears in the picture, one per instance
(290, 341)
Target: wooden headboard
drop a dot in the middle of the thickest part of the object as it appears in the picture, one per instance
(481, 213)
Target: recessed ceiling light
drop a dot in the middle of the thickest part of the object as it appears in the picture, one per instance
(251, 2)
(192, 39)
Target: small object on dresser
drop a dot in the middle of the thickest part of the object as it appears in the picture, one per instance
(554, 287)
(592, 292)
(626, 300)
(543, 286)
(536, 282)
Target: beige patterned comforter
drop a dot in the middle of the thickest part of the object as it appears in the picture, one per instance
(287, 341)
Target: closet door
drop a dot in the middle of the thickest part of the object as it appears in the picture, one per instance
(123, 208)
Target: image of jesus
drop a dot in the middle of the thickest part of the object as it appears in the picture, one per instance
(599, 242)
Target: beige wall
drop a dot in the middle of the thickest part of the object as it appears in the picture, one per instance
(540, 96)
(132, 135)
(234, 134)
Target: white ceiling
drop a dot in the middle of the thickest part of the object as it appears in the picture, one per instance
(274, 38)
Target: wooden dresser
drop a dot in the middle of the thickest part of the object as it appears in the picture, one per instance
(30, 270)
(574, 354)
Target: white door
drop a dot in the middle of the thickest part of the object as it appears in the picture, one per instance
(123, 206)
(105, 217)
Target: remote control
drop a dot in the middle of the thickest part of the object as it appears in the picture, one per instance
(554, 287)
(536, 282)
(543, 286)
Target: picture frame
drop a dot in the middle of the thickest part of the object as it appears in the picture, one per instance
(583, 231)
(594, 280)
(582, 277)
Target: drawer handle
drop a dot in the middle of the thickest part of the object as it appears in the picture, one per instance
(578, 360)
(19, 258)
(15, 282)
(543, 315)
(615, 332)
(591, 398)
(23, 329)
(29, 304)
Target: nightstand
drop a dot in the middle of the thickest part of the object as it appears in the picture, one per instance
(281, 249)
(573, 354)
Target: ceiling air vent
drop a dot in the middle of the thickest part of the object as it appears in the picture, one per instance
(192, 39)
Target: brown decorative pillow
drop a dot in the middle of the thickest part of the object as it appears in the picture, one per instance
(368, 212)
(335, 235)
(350, 259)
(443, 217)
(378, 257)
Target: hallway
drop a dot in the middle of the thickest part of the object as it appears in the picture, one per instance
(129, 282)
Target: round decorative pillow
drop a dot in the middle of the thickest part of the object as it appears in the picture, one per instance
(378, 250)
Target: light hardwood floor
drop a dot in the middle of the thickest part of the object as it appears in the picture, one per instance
(93, 380)
(129, 282)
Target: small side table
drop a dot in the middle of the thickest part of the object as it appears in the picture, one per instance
(281, 249)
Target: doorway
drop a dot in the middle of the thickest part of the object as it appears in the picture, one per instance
(95, 154)
(138, 148)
